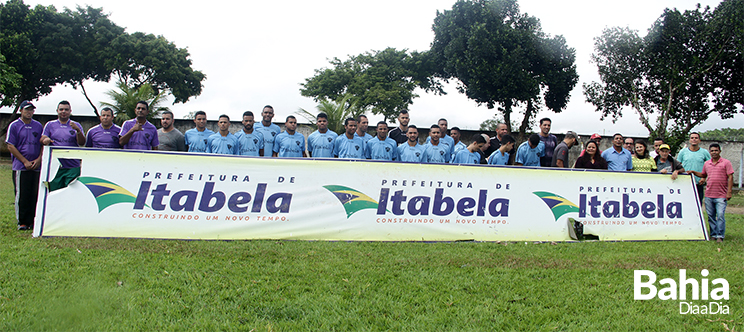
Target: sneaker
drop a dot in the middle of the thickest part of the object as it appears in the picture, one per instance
(23, 228)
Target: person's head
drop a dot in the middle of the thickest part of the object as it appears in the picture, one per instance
(350, 124)
(64, 110)
(106, 116)
(507, 143)
(641, 149)
(27, 110)
(403, 118)
(382, 130)
(694, 139)
(664, 151)
(545, 124)
(455, 134)
(591, 148)
(595, 137)
(200, 120)
(412, 134)
(267, 114)
(435, 133)
(224, 123)
(657, 143)
(362, 123)
(141, 110)
(618, 141)
(442, 126)
(629, 144)
(322, 121)
(501, 130)
(534, 140)
(290, 124)
(486, 139)
(166, 120)
(248, 121)
(478, 143)
(715, 151)
(571, 138)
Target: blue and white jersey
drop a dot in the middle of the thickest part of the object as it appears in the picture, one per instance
(320, 145)
(346, 148)
(249, 144)
(529, 156)
(286, 145)
(497, 158)
(466, 157)
(364, 138)
(411, 153)
(447, 140)
(197, 140)
(459, 146)
(436, 154)
(381, 150)
(269, 135)
(219, 144)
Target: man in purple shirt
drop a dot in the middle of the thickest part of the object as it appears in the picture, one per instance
(138, 133)
(63, 132)
(25, 149)
(106, 134)
(549, 140)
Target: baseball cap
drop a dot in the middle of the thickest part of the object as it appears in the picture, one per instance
(595, 136)
(664, 146)
(26, 104)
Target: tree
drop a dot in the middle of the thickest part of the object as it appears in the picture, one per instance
(337, 112)
(10, 83)
(490, 124)
(500, 56)
(126, 98)
(724, 134)
(382, 81)
(686, 68)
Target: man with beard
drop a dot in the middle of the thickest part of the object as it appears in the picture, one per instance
(106, 134)
(138, 133)
(196, 138)
(250, 142)
(169, 137)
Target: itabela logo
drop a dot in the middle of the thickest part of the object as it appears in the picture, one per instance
(557, 204)
(106, 192)
(353, 200)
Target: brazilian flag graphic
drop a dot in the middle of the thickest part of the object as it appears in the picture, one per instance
(106, 192)
(557, 204)
(353, 200)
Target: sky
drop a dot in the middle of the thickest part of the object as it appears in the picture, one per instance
(256, 53)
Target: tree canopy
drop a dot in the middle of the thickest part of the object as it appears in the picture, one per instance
(500, 56)
(687, 67)
(46, 47)
(381, 81)
(724, 134)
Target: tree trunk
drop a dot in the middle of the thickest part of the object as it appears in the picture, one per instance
(95, 110)
(507, 115)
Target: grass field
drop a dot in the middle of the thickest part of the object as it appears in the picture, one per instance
(91, 284)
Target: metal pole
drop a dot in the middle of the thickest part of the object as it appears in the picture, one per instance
(741, 162)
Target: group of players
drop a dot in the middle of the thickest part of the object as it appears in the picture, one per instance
(265, 139)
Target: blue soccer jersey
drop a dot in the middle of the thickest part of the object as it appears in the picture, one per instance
(411, 153)
(249, 144)
(197, 140)
(381, 150)
(320, 145)
(498, 158)
(346, 148)
(286, 145)
(436, 154)
(222, 144)
(464, 156)
(269, 135)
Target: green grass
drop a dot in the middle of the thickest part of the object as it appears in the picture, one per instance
(90, 284)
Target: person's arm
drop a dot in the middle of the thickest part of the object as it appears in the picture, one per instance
(80, 135)
(17, 154)
(698, 174)
(124, 139)
(181, 143)
(729, 192)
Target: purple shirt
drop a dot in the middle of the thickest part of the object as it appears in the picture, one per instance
(25, 138)
(63, 135)
(98, 137)
(145, 139)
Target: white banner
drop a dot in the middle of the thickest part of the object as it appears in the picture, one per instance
(197, 196)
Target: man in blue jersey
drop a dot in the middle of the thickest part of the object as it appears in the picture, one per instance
(362, 127)
(320, 142)
(411, 150)
(106, 134)
(470, 155)
(196, 138)
(435, 151)
(268, 129)
(381, 147)
(289, 143)
(250, 142)
(530, 152)
(443, 137)
(348, 145)
(223, 142)
(501, 155)
(23, 143)
(455, 133)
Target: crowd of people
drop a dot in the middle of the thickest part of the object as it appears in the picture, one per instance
(25, 137)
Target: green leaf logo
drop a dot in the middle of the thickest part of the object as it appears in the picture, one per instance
(557, 204)
(353, 200)
(106, 192)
